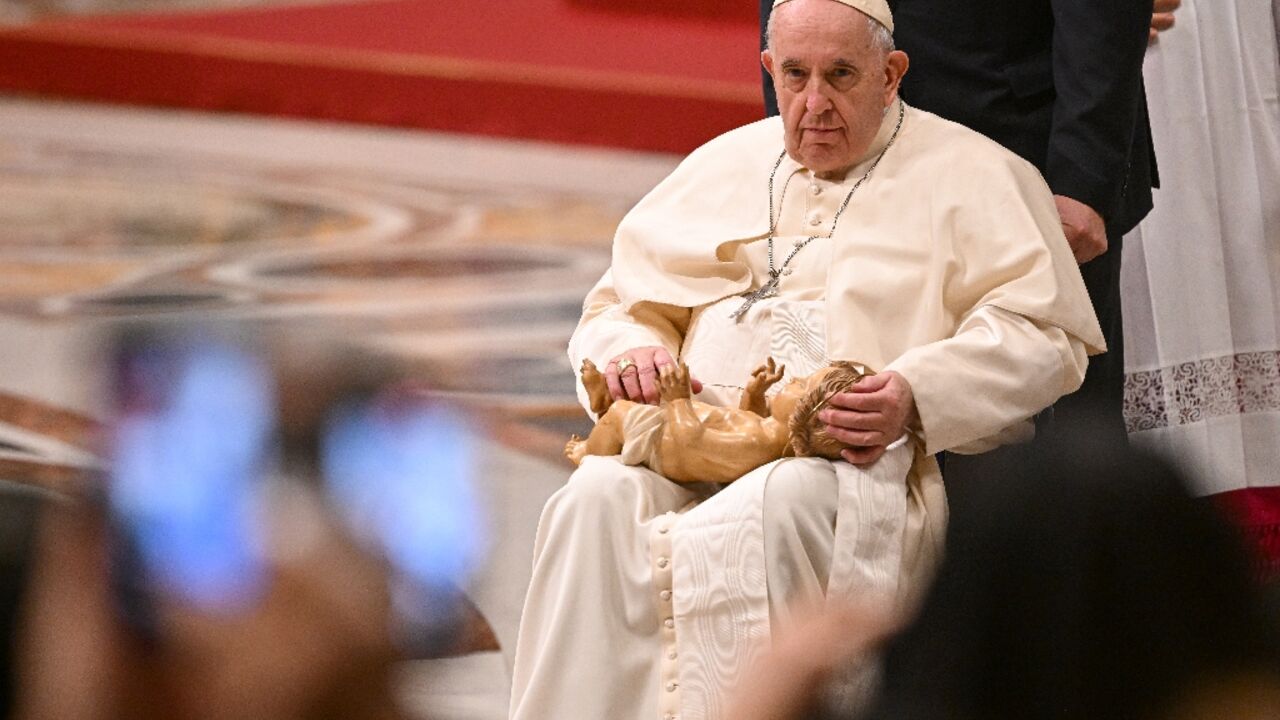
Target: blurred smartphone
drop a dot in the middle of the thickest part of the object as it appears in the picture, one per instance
(196, 436)
(190, 446)
(399, 470)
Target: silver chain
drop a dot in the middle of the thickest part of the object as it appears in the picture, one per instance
(773, 222)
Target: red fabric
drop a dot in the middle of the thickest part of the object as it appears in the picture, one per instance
(1257, 511)
(545, 69)
(729, 9)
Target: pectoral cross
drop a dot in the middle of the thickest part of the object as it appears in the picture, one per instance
(768, 290)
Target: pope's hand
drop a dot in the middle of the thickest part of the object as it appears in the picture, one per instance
(1162, 18)
(637, 378)
(1086, 232)
(869, 416)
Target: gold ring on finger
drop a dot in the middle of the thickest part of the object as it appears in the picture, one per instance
(625, 363)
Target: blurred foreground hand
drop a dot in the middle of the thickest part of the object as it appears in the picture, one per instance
(317, 644)
(1161, 18)
(788, 682)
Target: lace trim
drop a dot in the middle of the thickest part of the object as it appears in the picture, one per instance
(1202, 389)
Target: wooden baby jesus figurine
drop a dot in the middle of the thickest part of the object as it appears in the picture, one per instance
(688, 440)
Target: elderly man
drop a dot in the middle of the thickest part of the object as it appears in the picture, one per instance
(1059, 82)
(854, 228)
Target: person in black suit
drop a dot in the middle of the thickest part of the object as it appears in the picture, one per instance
(1107, 593)
(1059, 82)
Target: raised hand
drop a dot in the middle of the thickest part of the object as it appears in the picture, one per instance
(762, 378)
(673, 382)
(633, 375)
(766, 375)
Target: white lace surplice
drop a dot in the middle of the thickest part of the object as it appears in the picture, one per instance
(1201, 277)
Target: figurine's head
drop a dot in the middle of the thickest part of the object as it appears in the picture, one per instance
(783, 405)
(809, 437)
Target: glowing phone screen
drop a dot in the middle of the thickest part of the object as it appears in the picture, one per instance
(189, 452)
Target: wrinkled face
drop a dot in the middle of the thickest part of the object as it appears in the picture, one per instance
(833, 82)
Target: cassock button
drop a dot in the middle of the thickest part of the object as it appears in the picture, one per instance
(815, 190)
(671, 687)
(815, 219)
(665, 594)
(664, 530)
(671, 655)
(663, 562)
(668, 716)
(669, 623)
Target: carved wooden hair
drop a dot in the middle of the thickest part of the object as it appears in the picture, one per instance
(808, 435)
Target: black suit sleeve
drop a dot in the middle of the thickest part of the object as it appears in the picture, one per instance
(1098, 47)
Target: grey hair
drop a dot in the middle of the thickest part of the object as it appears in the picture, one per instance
(881, 37)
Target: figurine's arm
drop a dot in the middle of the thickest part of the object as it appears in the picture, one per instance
(673, 385)
(720, 445)
(762, 378)
(684, 422)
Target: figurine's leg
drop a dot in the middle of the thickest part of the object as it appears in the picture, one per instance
(575, 449)
(597, 389)
(606, 437)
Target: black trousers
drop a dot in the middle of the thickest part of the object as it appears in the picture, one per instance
(1101, 397)
(1096, 408)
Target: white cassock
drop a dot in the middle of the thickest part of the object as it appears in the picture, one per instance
(650, 598)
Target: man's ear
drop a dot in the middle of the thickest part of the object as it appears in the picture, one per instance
(895, 67)
(767, 61)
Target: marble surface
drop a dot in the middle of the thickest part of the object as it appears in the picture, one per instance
(25, 11)
(464, 259)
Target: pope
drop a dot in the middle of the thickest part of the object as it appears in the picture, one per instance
(855, 229)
